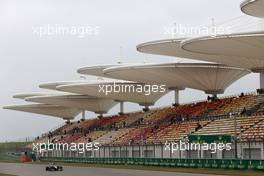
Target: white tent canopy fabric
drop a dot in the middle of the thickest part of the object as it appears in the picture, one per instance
(65, 113)
(25, 95)
(53, 85)
(243, 50)
(96, 70)
(210, 78)
(127, 94)
(82, 102)
(172, 47)
(167, 47)
(178, 48)
(253, 8)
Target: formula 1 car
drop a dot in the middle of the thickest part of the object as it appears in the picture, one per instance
(54, 167)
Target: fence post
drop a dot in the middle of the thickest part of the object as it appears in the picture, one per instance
(249, 146)
(104, 151)
(154, 148)
(161, 150)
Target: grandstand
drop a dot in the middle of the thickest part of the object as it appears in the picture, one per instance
(171, 124)
(142, 137)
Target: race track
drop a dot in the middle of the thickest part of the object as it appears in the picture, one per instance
(39, 170)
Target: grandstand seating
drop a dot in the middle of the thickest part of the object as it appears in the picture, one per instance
(131, 119)
(227, 125)
(70, 127)
(112, 136)
(255, 133)
(71, 138)
(158, 115)
(193, 110)
(175, 132)
(237, 104)
(170, 123)
(91, 136)
(136, 136)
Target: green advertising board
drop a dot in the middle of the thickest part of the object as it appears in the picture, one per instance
(209, 139)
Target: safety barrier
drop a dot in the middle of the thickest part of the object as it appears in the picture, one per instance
(187, 163)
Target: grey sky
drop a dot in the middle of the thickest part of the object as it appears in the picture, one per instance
(28, 60)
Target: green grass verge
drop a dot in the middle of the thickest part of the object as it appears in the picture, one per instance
(6, 175)
(13, 145)
(167, 169)
(7, 147)
(7, 158)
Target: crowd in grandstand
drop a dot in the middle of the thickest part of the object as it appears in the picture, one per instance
(170, 123)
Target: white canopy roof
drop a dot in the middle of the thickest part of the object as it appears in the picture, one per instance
(49, 110)
(83, 102)
(243, 50)
(172, 47)
(126, 95)
(167, 47)
(96, 70)
(53, 85)
(211, 78)
(253, 7)
(25, 95)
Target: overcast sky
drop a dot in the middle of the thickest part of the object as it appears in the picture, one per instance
(28, 59)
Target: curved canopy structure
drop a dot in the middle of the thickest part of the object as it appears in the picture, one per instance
(172, 47)
(211, 78)
(253, 8)
(53, 85)
(167, 47)
(82, 102)
(96, 70)
(241, 50)
(65, 113)
(119, 91)
(25, 95)
(176, 48)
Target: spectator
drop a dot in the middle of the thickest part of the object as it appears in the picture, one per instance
(244, 111)
(242, 94)
(199, 126)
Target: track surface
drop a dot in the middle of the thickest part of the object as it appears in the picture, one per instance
(39, 170)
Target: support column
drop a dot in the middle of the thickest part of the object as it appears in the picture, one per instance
(100, 116)
(121, 108)
(176, 91)
(261, 80)
(176, 97)
(146, 108)
(83, 115)
(235, 135)
(161, 151)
